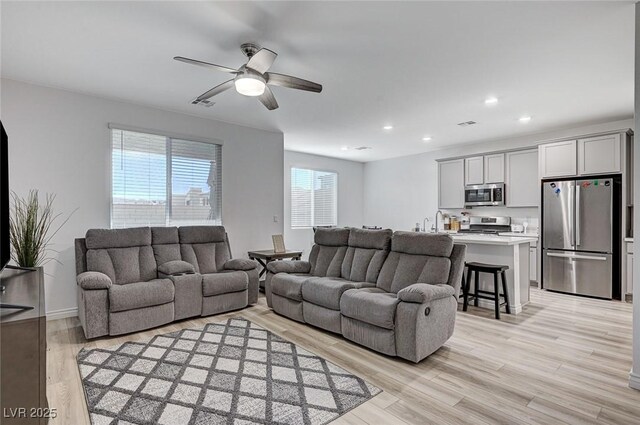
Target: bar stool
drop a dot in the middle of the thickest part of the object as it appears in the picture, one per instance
(476, 269)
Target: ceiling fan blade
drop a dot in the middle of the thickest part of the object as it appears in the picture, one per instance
(206, 64)
(262, 60)
(292, 82)
(268, 99)
(216, 90)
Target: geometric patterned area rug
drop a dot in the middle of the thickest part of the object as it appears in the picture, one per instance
(225, 373)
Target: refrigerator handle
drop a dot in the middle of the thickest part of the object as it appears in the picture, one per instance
(577, 229)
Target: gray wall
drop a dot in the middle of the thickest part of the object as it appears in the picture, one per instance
(350, 194)
(399, 192)
(634, 378)
(59, 143)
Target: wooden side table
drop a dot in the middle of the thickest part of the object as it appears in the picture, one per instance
(265, 256)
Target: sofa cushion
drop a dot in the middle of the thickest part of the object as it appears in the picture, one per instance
(240, 264)
(370, 305)
(293, 266)
(202, 234)
(140, 294)
(327, 291)
(123, 265)
(117, 238)
(363, 264)
(224, 283)
(288, 285)
(206, 257)
(175, 267)
(401, 270)
(164, 235)
(435, 245)
(331, 236)
(370, 239)
(327, 260)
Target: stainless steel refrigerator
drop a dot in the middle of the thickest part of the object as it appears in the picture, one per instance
(580, 236)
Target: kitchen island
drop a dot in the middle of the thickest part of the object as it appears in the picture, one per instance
(512, 251)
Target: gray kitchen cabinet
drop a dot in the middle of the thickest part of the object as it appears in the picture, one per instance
(522, 183)
(474, 170)
(494, 168)
(451, 183)
(597, 155)
(558, 159)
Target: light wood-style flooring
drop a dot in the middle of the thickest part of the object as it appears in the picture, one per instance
(563, 360)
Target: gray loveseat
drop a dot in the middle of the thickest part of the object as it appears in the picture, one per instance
(395, 293)
(138, 278)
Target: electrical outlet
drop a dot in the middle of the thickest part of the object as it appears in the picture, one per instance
(275, 218)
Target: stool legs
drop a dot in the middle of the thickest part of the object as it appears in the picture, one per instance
(476, 282)
(505, 291)
(466, 286)
(496, 290)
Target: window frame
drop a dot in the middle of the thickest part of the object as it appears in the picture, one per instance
(168, 135)
(336, 192)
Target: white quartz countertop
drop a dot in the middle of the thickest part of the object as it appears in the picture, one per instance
(519, 234)
(493, 239)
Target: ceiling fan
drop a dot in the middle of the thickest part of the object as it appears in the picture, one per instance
(252, 78)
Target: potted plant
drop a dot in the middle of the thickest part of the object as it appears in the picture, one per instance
(32, 226)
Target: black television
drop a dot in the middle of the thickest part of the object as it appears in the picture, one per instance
(5, 244)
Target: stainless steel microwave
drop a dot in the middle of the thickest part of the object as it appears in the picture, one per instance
(479, 195)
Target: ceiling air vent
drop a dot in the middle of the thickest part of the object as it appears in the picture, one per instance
(204, 102)
(467, 123)
(363, 148)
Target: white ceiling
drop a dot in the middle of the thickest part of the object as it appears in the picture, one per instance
(422, 67)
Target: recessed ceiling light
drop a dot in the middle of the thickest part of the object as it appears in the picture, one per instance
(387, 127)
(344, 148)
(525, 119)
(491, 101)
(426, 139)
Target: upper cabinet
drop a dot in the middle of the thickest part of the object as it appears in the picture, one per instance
(451, 183)
(557, 159)
(599, 154)
(592, 155)
(474, 170)
(484, 169)
(522, 178)
(494, 168)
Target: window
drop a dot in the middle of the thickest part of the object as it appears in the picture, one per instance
(163, 181)
(314, 198)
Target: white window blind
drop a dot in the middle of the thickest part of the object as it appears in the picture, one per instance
(314, 198)
(162, 181)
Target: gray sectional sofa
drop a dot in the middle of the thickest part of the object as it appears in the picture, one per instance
(395, 293)
(138, 278)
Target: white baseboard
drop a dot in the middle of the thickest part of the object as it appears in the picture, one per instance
(634, 381)
(62, 314)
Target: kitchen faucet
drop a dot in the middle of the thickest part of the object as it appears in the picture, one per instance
(424, 224)
(441, 216)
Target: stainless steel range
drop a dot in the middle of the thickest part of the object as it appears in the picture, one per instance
(488, 225)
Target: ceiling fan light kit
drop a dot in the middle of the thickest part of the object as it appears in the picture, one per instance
(250, 85)
(252, 78)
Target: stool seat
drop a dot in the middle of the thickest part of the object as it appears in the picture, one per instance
(488, 268)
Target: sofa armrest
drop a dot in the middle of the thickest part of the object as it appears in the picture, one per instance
(240, 264)
(423, 292)
(93, 280)
(176, 268)
(295, 266)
